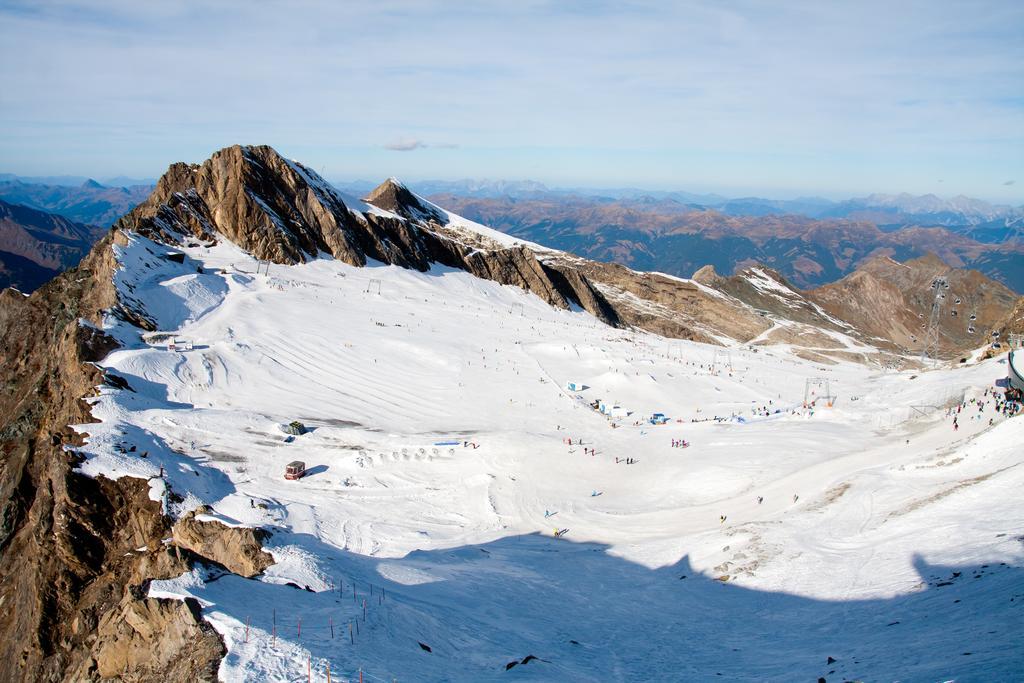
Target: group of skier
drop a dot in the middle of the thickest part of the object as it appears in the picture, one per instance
(1007, 404)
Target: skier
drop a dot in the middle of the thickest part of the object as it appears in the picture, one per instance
(760, 499)
(795, 498)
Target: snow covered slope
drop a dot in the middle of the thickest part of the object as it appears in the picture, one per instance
(420, 545)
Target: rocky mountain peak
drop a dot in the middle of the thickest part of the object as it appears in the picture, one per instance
(392, 195)
(706, 275)
(276, 209)
(929, 261)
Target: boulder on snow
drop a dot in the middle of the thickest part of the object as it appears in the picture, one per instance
(238, 549)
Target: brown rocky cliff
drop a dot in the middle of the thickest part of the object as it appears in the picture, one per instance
(68, 543)
(892, 300)
(237, 549)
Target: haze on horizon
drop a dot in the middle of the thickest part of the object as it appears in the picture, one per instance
(736, 98)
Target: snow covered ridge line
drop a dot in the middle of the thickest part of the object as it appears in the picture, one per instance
(283, 212)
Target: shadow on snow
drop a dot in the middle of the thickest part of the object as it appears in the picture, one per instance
(591, 616)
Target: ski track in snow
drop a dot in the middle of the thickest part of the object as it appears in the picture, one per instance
(457, 536)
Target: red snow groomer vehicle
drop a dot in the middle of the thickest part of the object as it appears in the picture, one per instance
(295, 470)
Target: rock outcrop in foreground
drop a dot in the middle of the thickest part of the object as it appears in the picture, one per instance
(76, 553)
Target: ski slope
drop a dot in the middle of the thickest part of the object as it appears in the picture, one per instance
(883, 538)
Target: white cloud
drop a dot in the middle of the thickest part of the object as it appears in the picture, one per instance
(405, 145)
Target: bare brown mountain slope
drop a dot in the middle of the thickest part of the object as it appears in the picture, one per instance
(35, 246)
(893, 301)
(89, 203)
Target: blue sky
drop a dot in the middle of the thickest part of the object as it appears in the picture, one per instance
(776, 99)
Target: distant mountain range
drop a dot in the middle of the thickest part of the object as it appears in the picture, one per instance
(982, 221)
(76, 180)
(87, 202)
(810, 240)
(666, 235)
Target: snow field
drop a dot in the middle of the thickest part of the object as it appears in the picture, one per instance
(457, 535)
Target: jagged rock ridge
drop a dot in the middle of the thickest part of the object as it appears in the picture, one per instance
(281, 211)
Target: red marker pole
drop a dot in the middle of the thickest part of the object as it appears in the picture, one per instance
(300, 628)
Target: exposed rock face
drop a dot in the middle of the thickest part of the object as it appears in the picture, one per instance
(1013, 323)
(397, 198)
(768, 291)
(256, 199)
(68, 543)
(613, 293)
(669, 306)
(280, 211)
(151, 639)
(238, 549)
